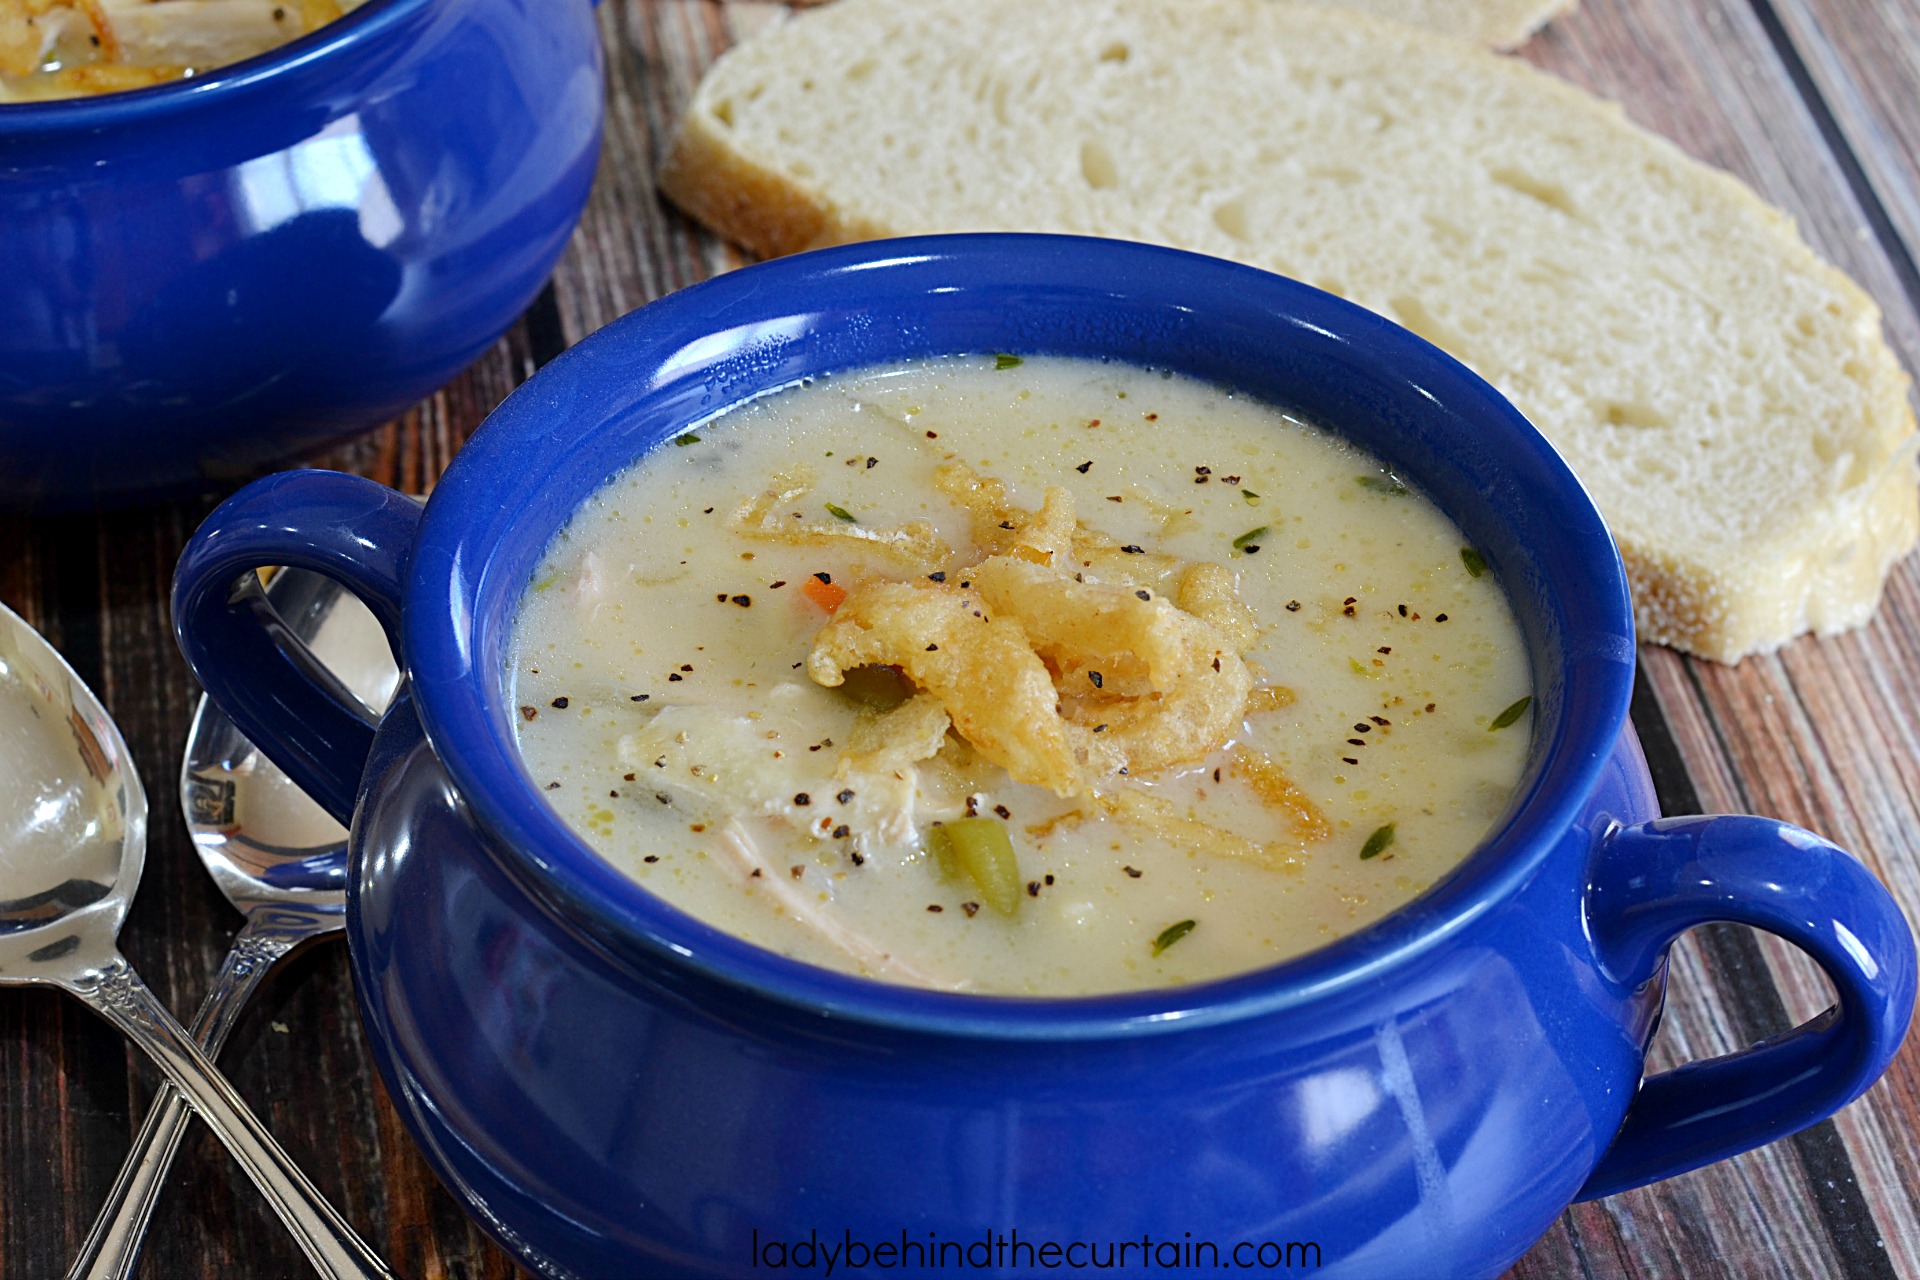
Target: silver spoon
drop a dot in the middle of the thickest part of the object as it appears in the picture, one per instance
(73, 835)
(279, 859)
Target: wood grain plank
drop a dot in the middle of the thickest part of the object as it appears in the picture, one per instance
(1864, 61)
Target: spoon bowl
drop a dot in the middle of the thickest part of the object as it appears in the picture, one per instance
(277, 856)
(73, 827)
(73, 817)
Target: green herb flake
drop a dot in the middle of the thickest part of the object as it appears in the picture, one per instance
(1253, 499)
(1386, 484)
(1251, 535)
(1377, 843)
(1005, 361)
(546, 582)
(841, 513)
(1476, 565)
(687, 439)
(1359, 668)
(1172, 934)
(1511, 714)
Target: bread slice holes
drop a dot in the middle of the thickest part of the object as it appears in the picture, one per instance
(1547, 193)
(1345, 175)
(1623, 413)
(1448, 235)
(1097, 166)
(1115, 52)
(861, 70)
(723, 112)
(1231, 218)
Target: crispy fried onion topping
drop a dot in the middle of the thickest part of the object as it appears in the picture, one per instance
(769, 516)
(895, 740)
(981, 668)
(1063, 677)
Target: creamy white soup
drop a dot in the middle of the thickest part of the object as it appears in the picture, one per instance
(1034, 677)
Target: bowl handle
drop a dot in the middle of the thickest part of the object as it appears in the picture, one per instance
(1650, 883)
(251, 664)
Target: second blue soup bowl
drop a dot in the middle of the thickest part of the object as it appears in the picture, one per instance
(614, 1089)
(203, 277)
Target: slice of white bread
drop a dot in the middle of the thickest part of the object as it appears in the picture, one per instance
(1725, 395)
(1499, 24)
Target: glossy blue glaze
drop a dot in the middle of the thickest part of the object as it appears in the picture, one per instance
(205, 276)
(615, 1089)
(338, 525)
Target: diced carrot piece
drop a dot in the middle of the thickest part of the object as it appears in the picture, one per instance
(823, 593)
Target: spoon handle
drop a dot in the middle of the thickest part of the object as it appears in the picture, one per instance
(113, 1245)
(116, 992)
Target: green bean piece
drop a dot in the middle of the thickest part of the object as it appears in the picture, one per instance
(981, 850)
(942, 850)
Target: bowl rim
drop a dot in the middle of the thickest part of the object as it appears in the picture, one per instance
(467, 719)
(325, 43)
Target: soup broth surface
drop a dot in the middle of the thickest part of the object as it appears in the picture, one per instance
(79, 48)
(665, 670)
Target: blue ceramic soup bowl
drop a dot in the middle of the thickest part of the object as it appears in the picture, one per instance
(208, 275)
(615, 1089)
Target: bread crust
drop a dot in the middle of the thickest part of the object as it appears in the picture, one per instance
(723, 190)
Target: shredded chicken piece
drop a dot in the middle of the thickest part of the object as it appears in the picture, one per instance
(714, 763)
(589, 588)
(743, 858)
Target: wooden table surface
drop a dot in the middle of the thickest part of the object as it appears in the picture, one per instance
(1816, 103)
